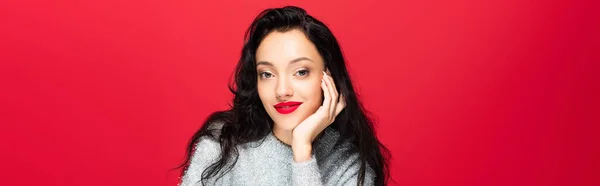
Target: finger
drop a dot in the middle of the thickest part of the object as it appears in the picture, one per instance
(327, 100)
(332, 85)
(340, 105)
(322, 109)
(333, 97)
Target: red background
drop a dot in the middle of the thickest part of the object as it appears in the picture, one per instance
(464, 92)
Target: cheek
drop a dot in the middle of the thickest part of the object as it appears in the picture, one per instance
(317, 92)
(313, 93)
(263, 92)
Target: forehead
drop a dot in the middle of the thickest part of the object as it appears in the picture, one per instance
(281, 47)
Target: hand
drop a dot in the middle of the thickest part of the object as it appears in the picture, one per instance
(305, 132)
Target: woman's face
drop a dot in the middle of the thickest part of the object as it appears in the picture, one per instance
(289, 69)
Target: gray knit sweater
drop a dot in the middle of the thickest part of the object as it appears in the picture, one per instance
(270, 162)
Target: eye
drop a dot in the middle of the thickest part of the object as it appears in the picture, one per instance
(265, 75)
(302, 72)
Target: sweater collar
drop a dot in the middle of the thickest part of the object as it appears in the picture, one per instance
(276, 149)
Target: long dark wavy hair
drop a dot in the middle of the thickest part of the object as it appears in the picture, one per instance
(247, 121)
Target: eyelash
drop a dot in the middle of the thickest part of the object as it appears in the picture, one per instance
(262, 74)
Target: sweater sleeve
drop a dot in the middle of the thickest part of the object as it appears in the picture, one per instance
(207, 151)
(306, 173)
(352, 170)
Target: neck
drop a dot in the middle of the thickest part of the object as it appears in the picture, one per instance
(284, 136)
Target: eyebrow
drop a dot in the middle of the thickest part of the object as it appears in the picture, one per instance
(292, 61)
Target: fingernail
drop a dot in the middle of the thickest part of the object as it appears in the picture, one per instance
(324, 73)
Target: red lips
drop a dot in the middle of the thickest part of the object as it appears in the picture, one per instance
(287, 107)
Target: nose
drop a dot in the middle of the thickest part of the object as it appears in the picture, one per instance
(283, 89)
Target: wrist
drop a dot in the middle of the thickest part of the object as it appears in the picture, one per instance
(302, 151)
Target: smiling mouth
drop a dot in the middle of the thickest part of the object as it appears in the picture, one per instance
(288, 107)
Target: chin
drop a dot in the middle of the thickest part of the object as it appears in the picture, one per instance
(289, 121)
(288, 124)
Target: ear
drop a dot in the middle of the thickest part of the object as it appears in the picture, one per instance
(327, 71)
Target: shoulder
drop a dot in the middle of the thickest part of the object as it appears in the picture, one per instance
(207, 148)
(206, 151)
(215, 123)
(208, 144)
(212, 128)
(332, 142)
(332, 148)
(341, 159)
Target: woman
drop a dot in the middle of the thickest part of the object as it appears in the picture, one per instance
(295, 117)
